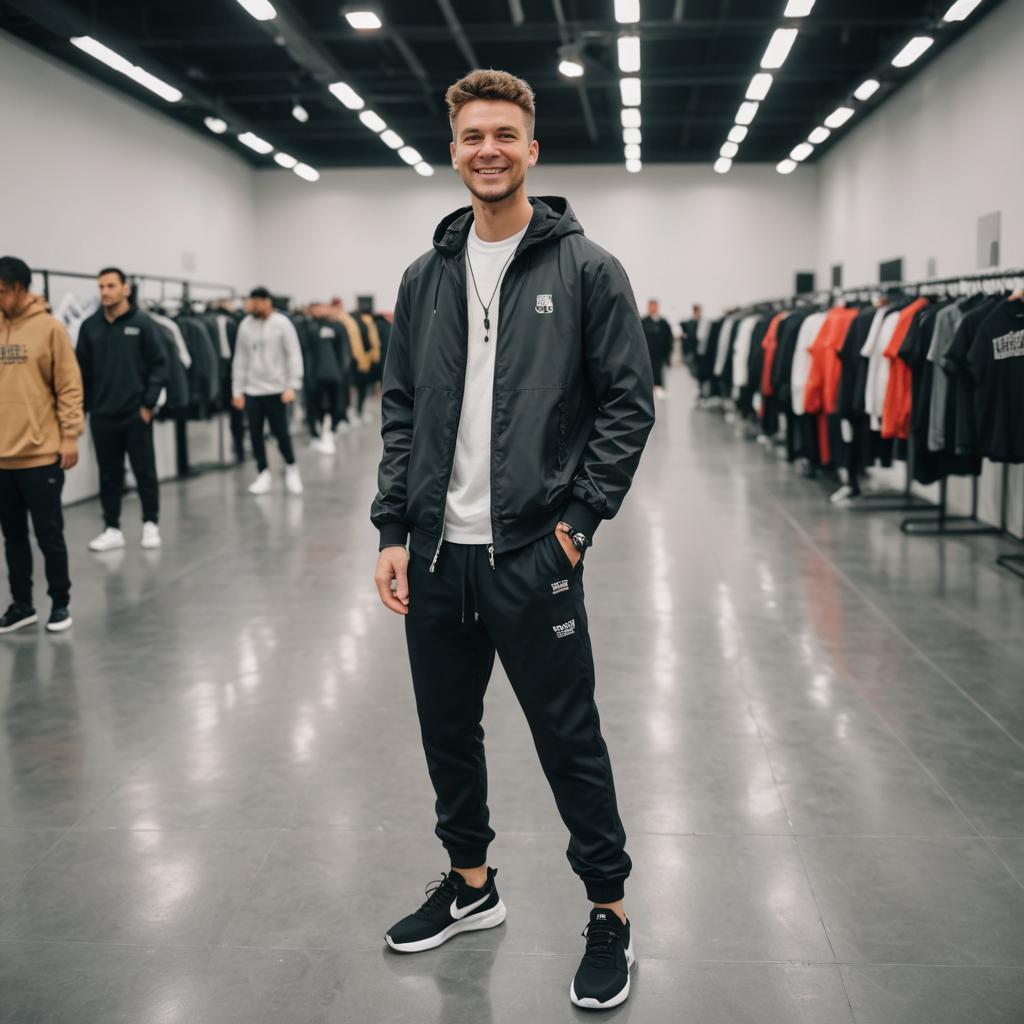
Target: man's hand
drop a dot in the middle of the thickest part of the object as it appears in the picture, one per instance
(393, 564)
(568, 547)
(238, 401)
(68, 453)
(146, 415)
(288, 396)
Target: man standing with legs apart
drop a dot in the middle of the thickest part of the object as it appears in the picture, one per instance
(124, 369)
(265, 375)
(517, 400)
(40, 420)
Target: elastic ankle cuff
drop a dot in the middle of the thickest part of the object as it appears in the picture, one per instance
(468, 858)
(605, 890)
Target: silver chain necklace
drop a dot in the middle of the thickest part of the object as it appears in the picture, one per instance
(487, 307)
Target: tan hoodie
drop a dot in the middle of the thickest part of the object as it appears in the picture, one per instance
(40, 388)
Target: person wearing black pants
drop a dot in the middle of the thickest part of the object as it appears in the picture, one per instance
(268, 410)
(517, 399)
(124, 370)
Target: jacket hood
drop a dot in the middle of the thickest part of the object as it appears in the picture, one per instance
(36, 304)
(552, 219)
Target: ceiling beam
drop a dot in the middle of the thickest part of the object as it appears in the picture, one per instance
(515, 10)
(456, 29)
(419, 72)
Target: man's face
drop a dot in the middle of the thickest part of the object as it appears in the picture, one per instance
(11, 297)
(492, 151)
(261, 307)
(652, 308)
(113, 290)
(697, 310)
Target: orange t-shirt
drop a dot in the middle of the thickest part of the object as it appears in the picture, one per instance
(896, 407)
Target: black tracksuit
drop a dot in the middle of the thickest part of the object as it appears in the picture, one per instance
(124, 367)
(659, 345)
(572, 410)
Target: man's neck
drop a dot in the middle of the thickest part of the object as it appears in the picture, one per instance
(113, 312)
(494, 222)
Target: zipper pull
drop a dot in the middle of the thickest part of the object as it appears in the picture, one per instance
(490, 554)
(437, 551)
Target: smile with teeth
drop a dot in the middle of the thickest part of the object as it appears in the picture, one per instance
(491, 170)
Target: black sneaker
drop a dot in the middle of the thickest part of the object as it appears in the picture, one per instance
(452, 906)
(602, 980)
(16, 616)
(60, 619)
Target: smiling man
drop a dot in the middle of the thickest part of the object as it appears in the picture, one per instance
(517, 400)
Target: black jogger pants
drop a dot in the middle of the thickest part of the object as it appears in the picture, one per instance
(529, 609)
(113, 439)
(271, 410)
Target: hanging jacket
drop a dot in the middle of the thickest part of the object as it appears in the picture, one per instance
(573, 390)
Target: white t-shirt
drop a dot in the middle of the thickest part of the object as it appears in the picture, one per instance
(467, 517)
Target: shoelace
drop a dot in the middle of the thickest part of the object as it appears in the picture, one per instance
(439, 893)
(601, 941)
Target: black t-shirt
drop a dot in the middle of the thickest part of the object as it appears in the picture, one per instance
(995, 361)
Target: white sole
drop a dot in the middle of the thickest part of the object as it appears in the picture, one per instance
(59, 627)
(490, 919)
(105, 548)
(30, 621)
(617, 999)
(151, 545)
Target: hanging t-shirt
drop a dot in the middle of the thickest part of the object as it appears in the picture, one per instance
(996, 363)
(468, 505)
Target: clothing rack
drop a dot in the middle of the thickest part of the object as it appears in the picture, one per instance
(137, 279)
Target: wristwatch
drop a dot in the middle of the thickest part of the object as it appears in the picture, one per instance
(579, 540)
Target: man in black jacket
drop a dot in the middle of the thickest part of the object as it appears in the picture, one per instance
(124, 368)
(659, 344)
(517, 399)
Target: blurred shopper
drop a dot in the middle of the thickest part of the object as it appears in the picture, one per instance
(659, 345)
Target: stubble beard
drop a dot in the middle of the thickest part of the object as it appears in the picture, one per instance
(497, 197)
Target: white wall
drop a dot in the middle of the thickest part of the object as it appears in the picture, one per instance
(90, 177)
(683, 233)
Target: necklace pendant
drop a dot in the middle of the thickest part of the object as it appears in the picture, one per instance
(487, 323)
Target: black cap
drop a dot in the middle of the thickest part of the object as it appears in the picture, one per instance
(260, 293)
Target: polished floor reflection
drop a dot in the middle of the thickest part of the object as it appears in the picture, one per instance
(213, 799)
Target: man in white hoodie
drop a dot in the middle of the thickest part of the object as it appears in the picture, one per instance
(265, 374)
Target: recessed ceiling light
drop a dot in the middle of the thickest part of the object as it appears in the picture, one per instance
(737, 133)
(423, 168)
(627, 11)
(410, 156)
(631, 117)
(347, 95)
(391, 139)
(571, 68)
(759, 86)
(729, 150)
(818, 136)
(372, 121)
(306, 172)
(632, 135)
(801, 152)
(917, 46)
(798, 8)
(217, 125)
(867, 89)
(630, 90)
(255, 143)
(629, 54)
(363, 20)
(961, 10)
(778, 48)
(261, 10)
(285, 161)
(634, 166)
(786, 167)
(723, 165)
(746, 113)
(839, 117)
(632, 151)
(300, 113)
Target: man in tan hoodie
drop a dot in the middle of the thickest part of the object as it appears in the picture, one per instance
(40, 419)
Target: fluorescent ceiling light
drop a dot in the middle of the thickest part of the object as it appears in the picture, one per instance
(746, 113)
(634, 166)
(729, 150)
(632, 151)
(839, 117)
(778, 48)
(629, 54)
(423, 168)
(300, 113)
(961, 10)
(627, 11)
(759, 86)
(912, 51)
(363, 20)
(798, 8)
(786, 167)
(410, 156)
(372, 121)
(285, 161)
(113, 60)
(216, 125)
(261, 10)
(723, 165)
(737, 133)
(632, 135)
(630, 90)
(631, 118)
(571, 68)
(867, 89)
(818, 136)
(801, 152)
(306, 172)
(391, 139)
(347, 95)
(254, 142)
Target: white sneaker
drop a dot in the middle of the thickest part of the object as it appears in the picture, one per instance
(109, 540)
(262, 484)
(151, 535)
(324, 444)
(292, 480)
(368, 417)
(342, 427)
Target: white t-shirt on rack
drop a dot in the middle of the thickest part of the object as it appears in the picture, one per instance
(468, 508)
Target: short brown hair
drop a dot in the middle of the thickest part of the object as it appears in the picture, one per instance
(489, 84)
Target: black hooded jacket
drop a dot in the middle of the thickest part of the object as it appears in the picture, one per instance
(572, 402)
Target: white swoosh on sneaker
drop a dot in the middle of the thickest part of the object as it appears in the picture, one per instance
(459, 913)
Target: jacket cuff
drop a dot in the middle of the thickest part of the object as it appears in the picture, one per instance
(582, 517)
(393, 535)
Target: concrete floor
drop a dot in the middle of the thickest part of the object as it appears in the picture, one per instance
(213, 799)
